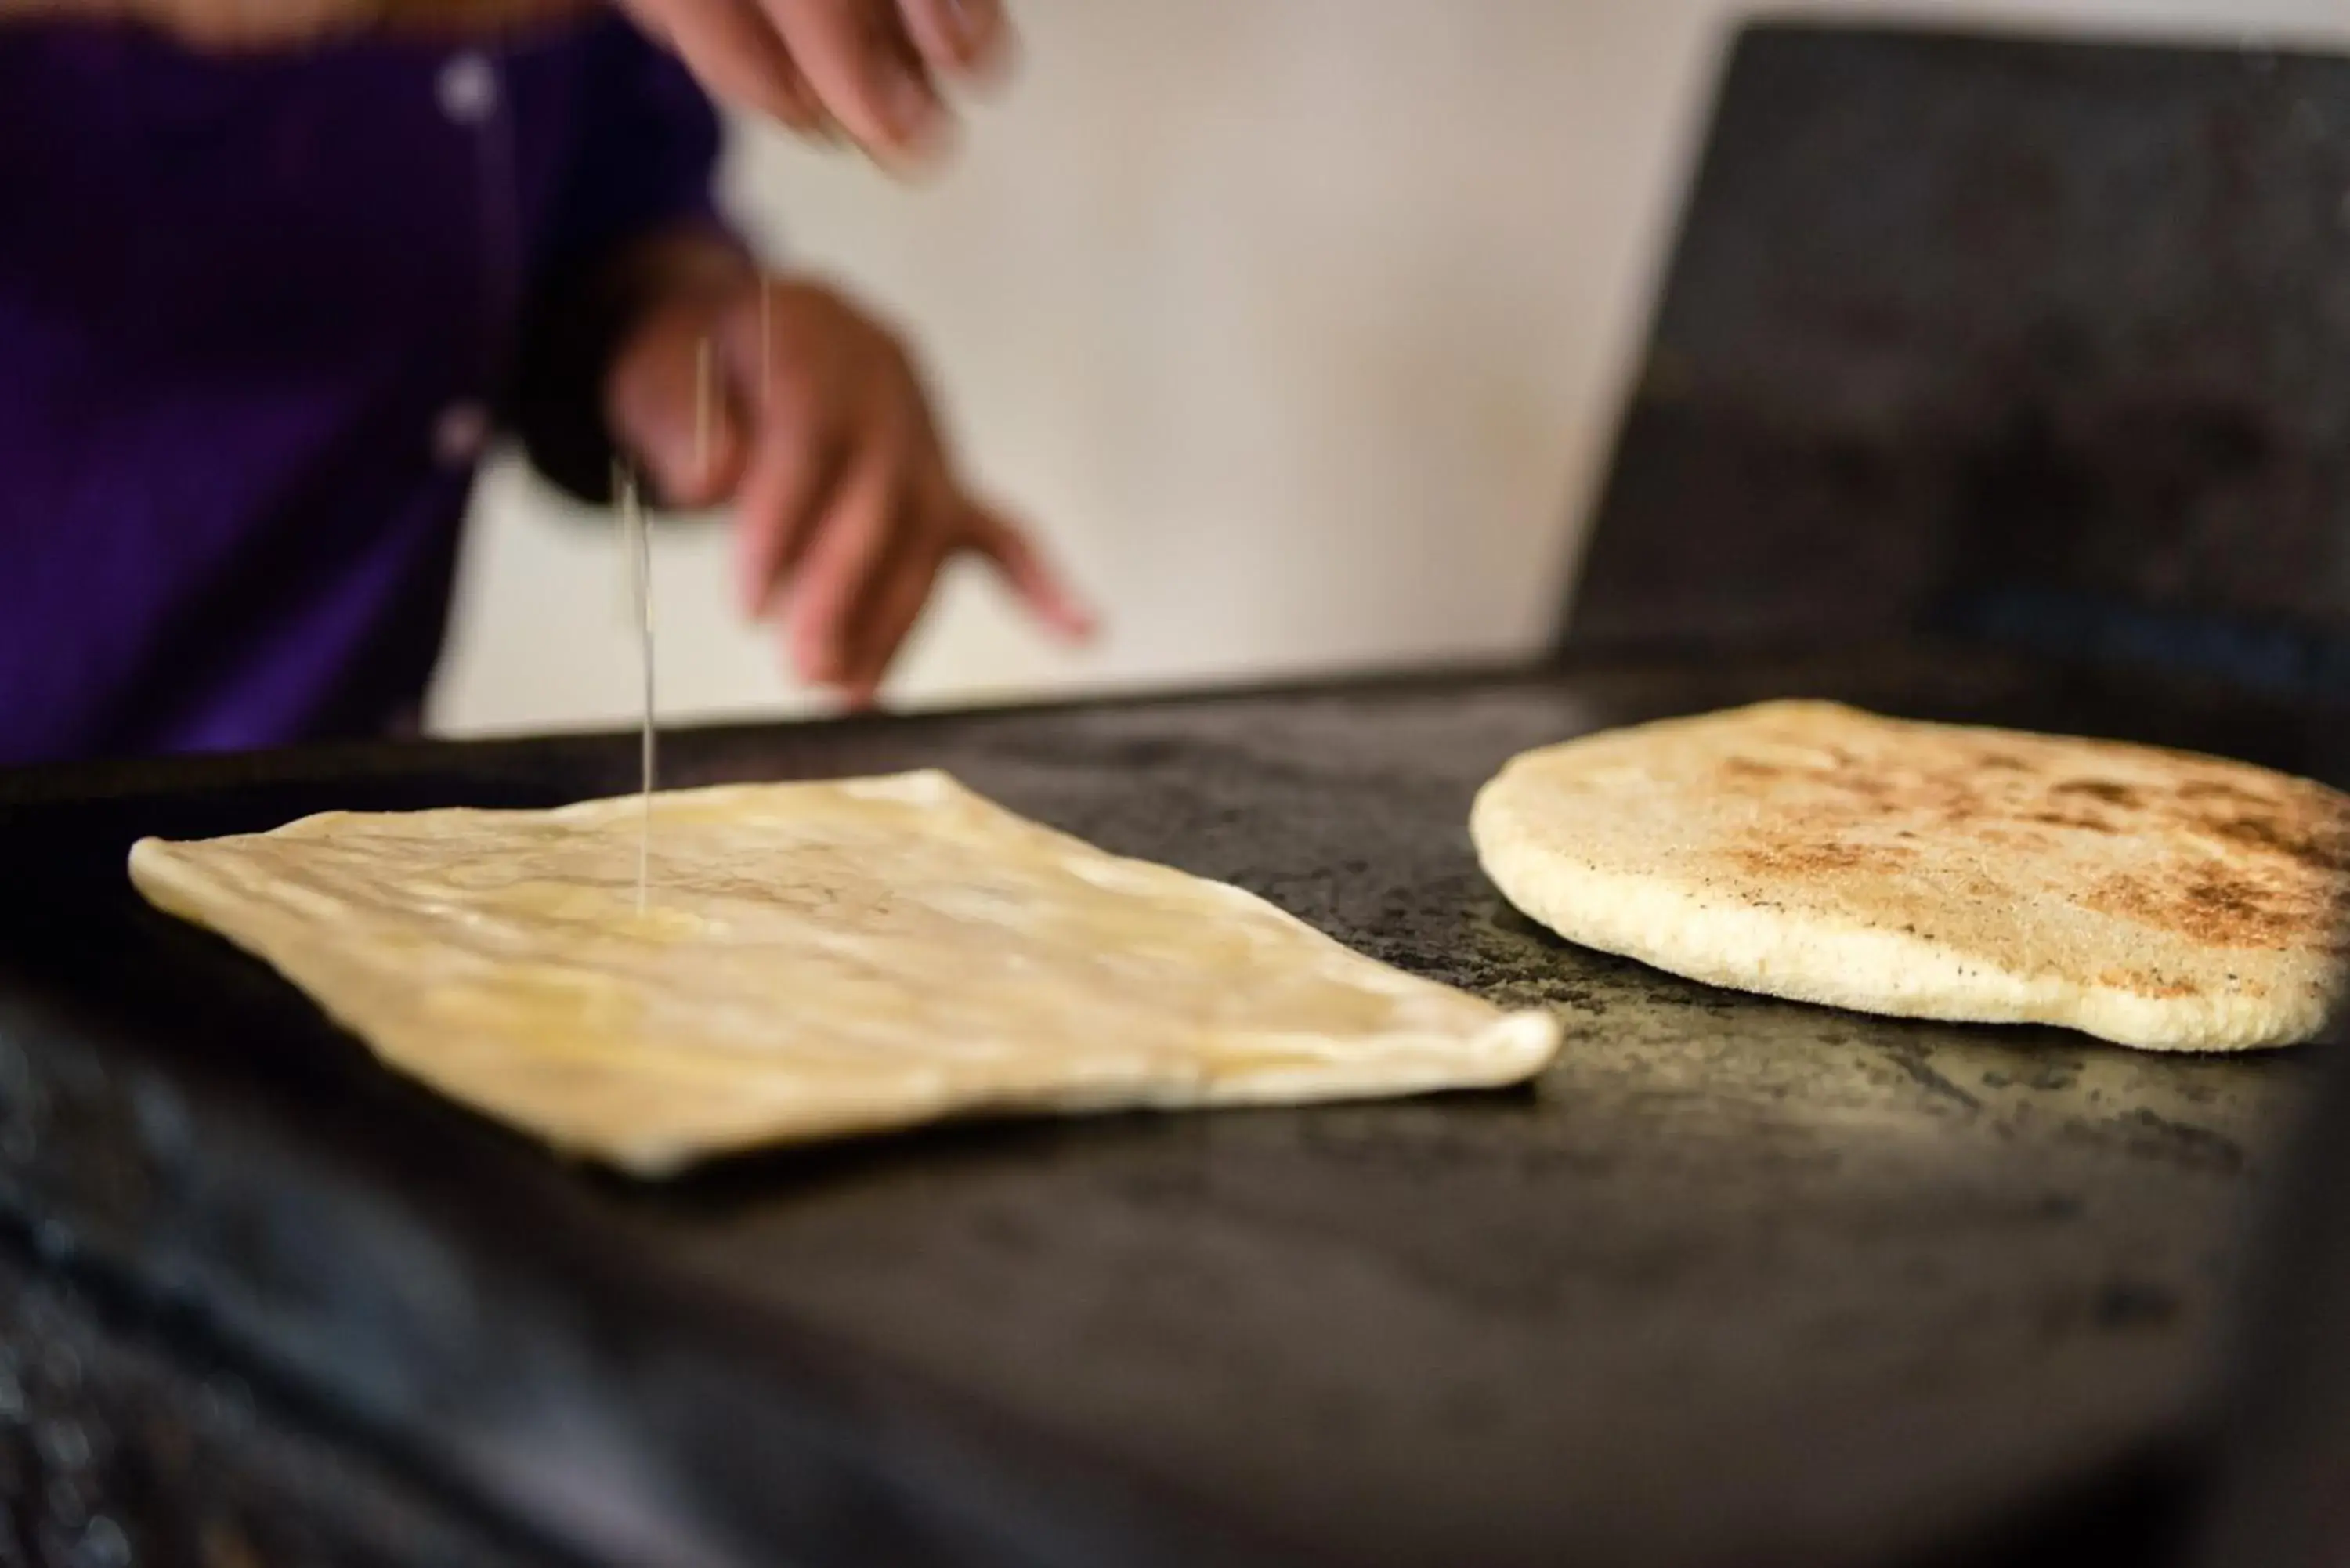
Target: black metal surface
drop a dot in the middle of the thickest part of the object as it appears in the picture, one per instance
(123, 1447)
(2282, 1496)
(2043, 342)
(1737, 1282)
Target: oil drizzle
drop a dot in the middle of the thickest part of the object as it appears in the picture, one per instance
(639, 544)
(705, 392)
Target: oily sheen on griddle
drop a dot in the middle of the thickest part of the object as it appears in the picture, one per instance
(1812, 851)
(816, 959)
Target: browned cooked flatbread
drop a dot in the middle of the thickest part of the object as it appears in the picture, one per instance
(1812, 851)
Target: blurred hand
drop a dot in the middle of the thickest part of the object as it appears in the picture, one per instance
(871, 69)
(846, 503)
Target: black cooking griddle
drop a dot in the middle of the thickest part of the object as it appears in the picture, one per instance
(1738, 1282)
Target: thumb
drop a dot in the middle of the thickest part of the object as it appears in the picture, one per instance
(674, 411)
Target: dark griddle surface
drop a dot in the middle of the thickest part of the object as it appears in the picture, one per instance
(1738, 1282)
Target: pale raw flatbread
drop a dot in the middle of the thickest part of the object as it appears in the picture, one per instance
(817, 959)
(1812, 851)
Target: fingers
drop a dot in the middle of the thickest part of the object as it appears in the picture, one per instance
(904, 575)
(864, 67)
(909, 577)
(850, 506)
(735, 50)
(677, 415)
(804, 417)
(802, 110)
(872, 565)
(839, 570)
(1033, 579)
(891, 609)
(969, 38)
(868, 68)
(780, 504)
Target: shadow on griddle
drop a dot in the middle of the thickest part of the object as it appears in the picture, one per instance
(950, 1149)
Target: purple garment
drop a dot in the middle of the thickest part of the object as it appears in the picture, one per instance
(255, 315)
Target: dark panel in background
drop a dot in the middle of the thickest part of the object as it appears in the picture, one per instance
(2039, 341)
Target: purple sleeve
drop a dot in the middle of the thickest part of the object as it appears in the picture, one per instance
(644, 158)
(642, 163)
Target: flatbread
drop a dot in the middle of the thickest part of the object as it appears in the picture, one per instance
(816, 959)
(1815, 851)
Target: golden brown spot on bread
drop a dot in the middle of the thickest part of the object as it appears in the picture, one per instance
(2318, 847)
(2143, 985)
(2221, 789)
(1826, 857)
(2223, 908)
(2059, 819)
(2105, 790)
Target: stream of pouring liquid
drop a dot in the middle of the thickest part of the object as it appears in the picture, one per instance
(638, 540)
(638, 545)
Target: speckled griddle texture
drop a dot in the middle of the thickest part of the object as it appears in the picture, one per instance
(1735, 1281)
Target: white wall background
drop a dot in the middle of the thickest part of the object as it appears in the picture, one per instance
(1298, 325)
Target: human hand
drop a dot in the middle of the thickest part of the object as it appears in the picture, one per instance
(871, 69)
(811, 419)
